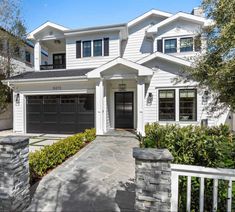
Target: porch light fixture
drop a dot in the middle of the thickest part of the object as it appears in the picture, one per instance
(150, 98)
(122, 86)
(205, 97)
(17, 99)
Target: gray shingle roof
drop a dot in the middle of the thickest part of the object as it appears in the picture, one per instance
(51, 74)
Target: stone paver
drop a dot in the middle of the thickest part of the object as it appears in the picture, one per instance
(98, 178)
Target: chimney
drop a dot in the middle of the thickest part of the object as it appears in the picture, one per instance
(198, 11)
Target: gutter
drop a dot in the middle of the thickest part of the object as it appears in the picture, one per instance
(42, 80)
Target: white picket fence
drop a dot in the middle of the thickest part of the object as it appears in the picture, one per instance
(202, 173)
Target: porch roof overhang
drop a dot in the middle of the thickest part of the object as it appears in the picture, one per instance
(165, 57)
(141, 71)
(48, 76)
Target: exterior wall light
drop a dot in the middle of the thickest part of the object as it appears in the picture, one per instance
(150, 98)
(205, 97)
(17, 99)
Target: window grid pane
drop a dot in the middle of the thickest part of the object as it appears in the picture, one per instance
(186, 44)
(97, 48)
(86, 48)
(188, 105)
(170, 46)
(167, 105)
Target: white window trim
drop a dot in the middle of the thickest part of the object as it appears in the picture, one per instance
(177, 105)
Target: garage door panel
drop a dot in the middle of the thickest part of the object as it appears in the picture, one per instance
(64, 114)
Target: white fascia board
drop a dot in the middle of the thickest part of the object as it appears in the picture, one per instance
(145, 15)
(165, 57)
(181, 15)
(43, 80)
(142, 70)
(120, 29)
(30, 36)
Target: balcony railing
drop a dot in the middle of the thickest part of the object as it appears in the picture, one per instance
(52, 66)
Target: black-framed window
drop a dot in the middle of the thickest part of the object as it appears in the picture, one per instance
(170, 45)
(186, 44)
(166, 105)
(97, 48)
(188, 105)
(27, 57)
(86, 46)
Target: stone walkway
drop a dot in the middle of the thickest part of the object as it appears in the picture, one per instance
(98, 178)
(36, 141)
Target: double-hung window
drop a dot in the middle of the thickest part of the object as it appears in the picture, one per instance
(86, 48)
(186, 44)
(167, 105)
(170, 45)
(188, 105)
(97, 48)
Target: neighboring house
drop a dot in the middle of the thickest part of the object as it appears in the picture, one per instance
(108, 77)
(23, 61)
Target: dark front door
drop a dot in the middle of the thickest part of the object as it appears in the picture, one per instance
(59, 61)
(62, 114)
(124, 110)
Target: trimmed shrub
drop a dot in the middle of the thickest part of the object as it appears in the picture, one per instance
(49, 157)
(195, 145)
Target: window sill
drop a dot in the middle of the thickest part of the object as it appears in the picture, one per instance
(178, 122)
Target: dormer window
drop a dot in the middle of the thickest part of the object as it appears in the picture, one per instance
(86, 48)
(170, 45)
(97, 48)
(186, 44)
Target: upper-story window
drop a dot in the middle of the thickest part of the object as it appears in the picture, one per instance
(97, 48)
(27, 57)
(170, 45)
(186, 44)
(86, 48)
(93, 48)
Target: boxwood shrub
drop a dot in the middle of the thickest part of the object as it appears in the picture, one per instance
(41, 161)
(195, 145)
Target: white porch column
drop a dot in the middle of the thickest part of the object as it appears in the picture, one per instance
(37, 56)
(99, 95)
(140, 106)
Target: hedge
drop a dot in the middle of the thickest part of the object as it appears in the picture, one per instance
(49, 157)
(195, 145)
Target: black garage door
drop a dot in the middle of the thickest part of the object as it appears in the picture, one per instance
(60, 114)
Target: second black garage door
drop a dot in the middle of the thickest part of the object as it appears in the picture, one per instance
(60, 114)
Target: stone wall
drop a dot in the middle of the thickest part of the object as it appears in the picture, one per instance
(14, 174)
(153, 179)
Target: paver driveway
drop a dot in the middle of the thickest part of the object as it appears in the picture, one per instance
(98, 178)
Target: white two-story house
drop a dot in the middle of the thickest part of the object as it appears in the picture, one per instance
(113, 77)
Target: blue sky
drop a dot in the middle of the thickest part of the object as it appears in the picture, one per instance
(85, 13)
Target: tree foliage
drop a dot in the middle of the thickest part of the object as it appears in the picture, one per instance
(12, 37)
(215, 69)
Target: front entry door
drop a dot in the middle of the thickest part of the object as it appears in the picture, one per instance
(124, 110)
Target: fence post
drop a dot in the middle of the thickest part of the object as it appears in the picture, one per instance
(14, 174)
(153, 179)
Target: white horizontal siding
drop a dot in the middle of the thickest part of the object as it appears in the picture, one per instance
(91, 62)
(18, 119)
(163, 78)
(138, 45)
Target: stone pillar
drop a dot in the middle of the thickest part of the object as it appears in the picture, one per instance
(153, 179)
(14, 174)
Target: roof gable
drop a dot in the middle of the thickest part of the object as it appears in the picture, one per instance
(44, 26)
(148, 14)
(183, 16)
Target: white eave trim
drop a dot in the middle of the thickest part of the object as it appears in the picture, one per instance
(142, 70)
(43, 80)
(31, 35)
(145, 15)
(181, 15)
(165, 57)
